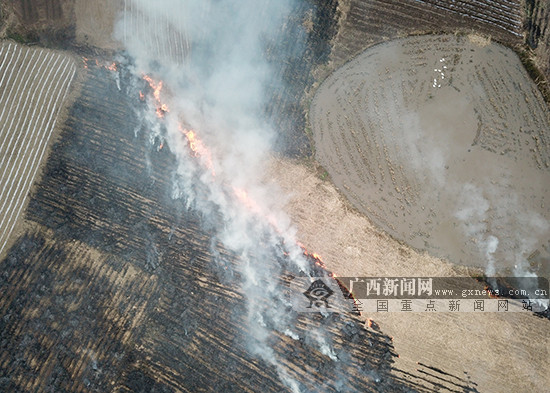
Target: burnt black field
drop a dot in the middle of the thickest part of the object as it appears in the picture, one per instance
(114, 288)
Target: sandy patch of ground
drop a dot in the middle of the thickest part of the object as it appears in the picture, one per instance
(486, 352)
(95, 22)
(443, 142)
(34, 84)
(329, 226)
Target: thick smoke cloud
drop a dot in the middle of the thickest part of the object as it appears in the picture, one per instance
(210, 56)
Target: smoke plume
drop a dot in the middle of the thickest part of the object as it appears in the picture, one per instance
(205, 62)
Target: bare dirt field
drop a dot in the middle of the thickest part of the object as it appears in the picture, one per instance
(486, 352)
(34, 84)
(366, 22)
(95, 21)
(442, 141)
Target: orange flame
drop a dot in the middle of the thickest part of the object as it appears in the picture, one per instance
(198, 148)
(250, 203)
(254, 207)
(157, 87)
(111, 67)
(160, 111)
(490, 292)
(316, 258)
(162, 108)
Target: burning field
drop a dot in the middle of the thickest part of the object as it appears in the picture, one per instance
(118, 286)
(157, 247)
(152, 258)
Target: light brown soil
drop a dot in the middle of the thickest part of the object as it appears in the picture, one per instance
(95, 22)
(489, 352)
(442, 141)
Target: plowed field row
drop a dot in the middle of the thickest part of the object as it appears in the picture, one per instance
(33, 86)
(152, 31)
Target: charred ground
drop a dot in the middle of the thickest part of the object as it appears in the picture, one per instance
(112, 287)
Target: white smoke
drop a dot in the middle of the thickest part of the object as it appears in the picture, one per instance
(490, 246)
(487, 222)
(474, 217)
(219, 91)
